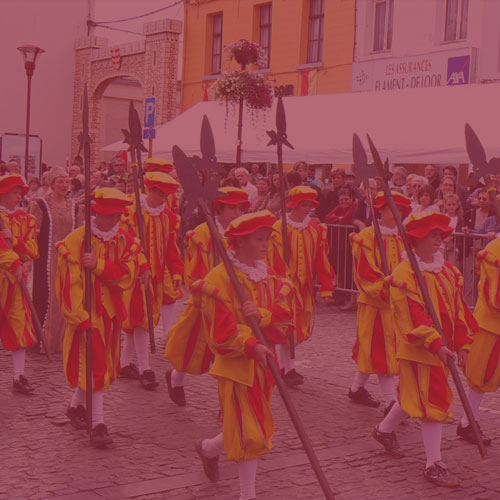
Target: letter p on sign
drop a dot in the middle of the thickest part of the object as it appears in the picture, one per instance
(149, 111)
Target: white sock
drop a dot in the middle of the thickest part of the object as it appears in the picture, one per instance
(283, 354)
(141, 342)
(392, 419)
(388, 387)
(97, 408)
(167, 316)
(177, 378)
(127, 350)
(213, 447)
(247, 470)
(431, 435)
(18, 359)
(475, 399)
(78, 398)
(360, 380)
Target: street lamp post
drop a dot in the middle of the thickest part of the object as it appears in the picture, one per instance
(30, 54)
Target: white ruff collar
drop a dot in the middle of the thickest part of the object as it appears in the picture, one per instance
(255, 274)
(432, 267)
(299, 225)
(219, 227)
(8, 211)
(388, 231)
(153, 211)
(104, 235)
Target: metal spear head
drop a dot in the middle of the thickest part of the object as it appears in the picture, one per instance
(199, 177)
(279, 137)
(84, 136)
(133, 136)
(477, 155)
(360, 159)
(382, 170)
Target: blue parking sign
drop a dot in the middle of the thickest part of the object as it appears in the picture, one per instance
(149, 111)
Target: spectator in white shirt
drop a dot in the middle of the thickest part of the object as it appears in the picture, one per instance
(242, 175)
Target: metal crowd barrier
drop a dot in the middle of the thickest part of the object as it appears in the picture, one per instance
(460, 250)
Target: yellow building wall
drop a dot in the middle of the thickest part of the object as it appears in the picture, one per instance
(289, 34)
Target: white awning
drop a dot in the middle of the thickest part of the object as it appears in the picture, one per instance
(407, 126)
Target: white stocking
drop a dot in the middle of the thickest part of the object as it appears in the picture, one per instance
(431, 435)
(247, 470)
(78, 398)
(177, 378)
(392, 419)
(283, 354)
(18, 359)
(97, 408)
(141, 342)
(475, 399)
(127, 349)
(388, 387)
(213, 447)
(360, 380)
(167, 317)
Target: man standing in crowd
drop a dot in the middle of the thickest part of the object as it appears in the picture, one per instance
(241, 174)
(431, 173)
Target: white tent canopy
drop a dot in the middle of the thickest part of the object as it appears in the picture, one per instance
(407, 126)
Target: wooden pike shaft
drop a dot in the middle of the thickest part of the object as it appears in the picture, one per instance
(435, 320)
(299, 427)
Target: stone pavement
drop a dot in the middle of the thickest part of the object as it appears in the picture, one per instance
(153, 456)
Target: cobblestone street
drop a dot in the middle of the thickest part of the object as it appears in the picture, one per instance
(153, 455)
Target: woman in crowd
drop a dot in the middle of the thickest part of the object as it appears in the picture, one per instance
(446, 187)
(425, 199)
(453, 209)
(259, 202)
(273, 199)
(56, 216)
(417, 182)
(331, 198)
(35, 191)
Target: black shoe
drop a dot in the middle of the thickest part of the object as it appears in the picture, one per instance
(22, 385)
(99, 437)
(389, 442)
(148, 380)
(439, 474)
(292, 378)
(210, 465)
(468, 434)
(130, 371)
(387, 409)
(78, 416)
(363, 397)
(176, 393)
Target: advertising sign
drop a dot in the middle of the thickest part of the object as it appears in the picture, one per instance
(12, 147)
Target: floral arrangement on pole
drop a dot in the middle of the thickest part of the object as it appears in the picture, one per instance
(254, 88)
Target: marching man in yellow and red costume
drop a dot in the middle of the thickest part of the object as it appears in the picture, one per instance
(186, 347)
(424, 392)
(483, 362)
(167, 167)
(165, 263)
(113, 265)
(18, 245)
(240, 364)
(375, 347)
(309, 250)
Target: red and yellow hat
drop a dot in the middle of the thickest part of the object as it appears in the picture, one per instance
(158, 165)
(107, 201)
(302, 193)
(232, 196)
(400, 199)
(249, 223)
(420, 225)
(162, 181)
(10, 181)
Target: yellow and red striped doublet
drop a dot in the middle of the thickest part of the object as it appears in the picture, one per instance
(115, 272)
(483, 363)
(245, 387)
(309, 252)
(375, 346)
(424, 391)
(16, 324)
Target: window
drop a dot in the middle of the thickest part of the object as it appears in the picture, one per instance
(316, 27)
(455, 27)
(265, 31)
(382, 31)
(216, 43)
